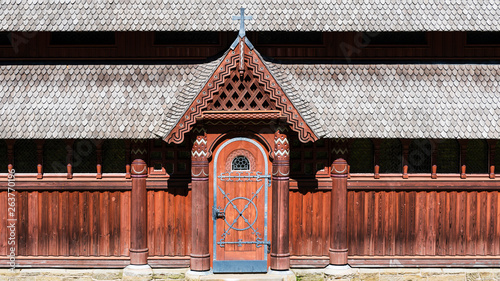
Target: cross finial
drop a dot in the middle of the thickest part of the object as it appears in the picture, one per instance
(242, 19)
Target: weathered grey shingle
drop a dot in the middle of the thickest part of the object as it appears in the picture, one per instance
(290, 15)
(337, 101)
(93, 101)
(396, 101)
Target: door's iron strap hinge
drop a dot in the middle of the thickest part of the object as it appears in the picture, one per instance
(243, 177)
(241, 243)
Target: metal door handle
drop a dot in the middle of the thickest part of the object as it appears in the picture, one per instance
(218, 213)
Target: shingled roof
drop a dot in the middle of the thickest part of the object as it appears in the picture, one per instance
(396, 101)
(342, 101)
(287, 15)
(93, 101)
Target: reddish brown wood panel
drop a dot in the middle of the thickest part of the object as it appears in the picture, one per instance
(169, 222)
(70, 224)
(423, 223)
(309, 222)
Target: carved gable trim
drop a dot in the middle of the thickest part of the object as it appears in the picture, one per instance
(252, 64)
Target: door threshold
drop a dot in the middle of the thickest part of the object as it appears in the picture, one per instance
(269, 276)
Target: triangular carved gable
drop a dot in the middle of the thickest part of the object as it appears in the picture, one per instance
(247, 86)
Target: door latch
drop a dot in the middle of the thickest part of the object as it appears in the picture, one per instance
(218, 213)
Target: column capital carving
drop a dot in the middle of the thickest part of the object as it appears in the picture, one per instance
(339, 167)
(139, 168)
(281, 146)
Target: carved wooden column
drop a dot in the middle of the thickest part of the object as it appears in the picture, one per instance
(200, 254)
(139, 231)
(338, 225)
(280, 252)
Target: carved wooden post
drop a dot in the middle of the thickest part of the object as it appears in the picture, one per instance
(491, 158)
(138, 234)
(280, 252)
(376, 158)
(434, 149)
(406, 150)
(463, 158)
(39, 152)
(200, 254)
(338, 225)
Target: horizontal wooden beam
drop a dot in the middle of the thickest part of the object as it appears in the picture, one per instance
(416, 184)
(425, 261)
(401, 261)
(91, 262)
(84, 183)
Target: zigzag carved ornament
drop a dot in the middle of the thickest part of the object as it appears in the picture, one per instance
(231, 63)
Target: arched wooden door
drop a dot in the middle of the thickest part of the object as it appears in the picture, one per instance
(241, 181)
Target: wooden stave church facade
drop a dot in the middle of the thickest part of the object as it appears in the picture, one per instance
(340, 206)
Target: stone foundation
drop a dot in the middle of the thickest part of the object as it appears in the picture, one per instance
(379, 274)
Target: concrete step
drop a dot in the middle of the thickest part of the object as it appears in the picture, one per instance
(242, 277)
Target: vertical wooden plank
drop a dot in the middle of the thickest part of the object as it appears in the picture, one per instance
(63, 227)
(411, 223)
(441, 224)
(32, 242)
(421, 209)
(453, 224)
(151, 195)
(379, 235)
(125, 223)
(497, 223)
(491, 242)
(3, 218)
(471, 223)
(431, 238)
(390, 226)
(179, 222)
(401, 221)
(317, 243)
(300, 227)
(354, 222)
(170, 222)
(306, 213)
(22, 222)
(54, 223)
(159, 227)
(291, 215)
(187, 223)
(44, 230)
(325, 236)
(482, 224)
(114, 220)
(361, 237)
(73, 224)
(95, 214)
(104, 224)
(84, 224)
(461, 220)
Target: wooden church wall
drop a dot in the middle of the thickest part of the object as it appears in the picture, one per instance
(81, 228)
(454, 218)
(72, 223)
(403, 222)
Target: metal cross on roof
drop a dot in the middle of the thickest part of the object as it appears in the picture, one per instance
(242, 19)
